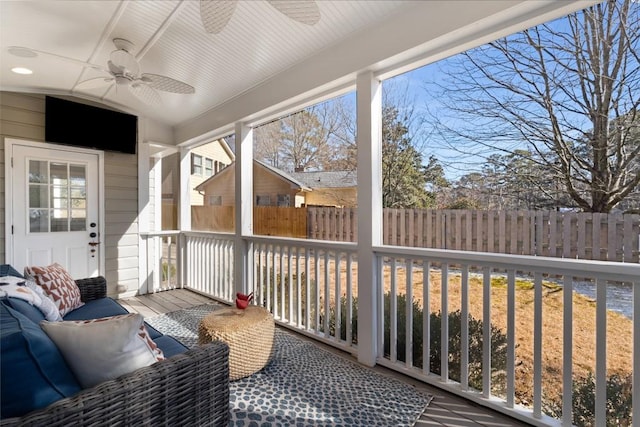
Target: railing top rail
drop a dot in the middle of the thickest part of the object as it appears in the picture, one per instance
(217, 234)
(575, 267)
(305, 243)
(160, 233)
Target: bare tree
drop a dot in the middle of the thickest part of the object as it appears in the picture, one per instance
(302, 140)
(267, 143)
(568, 91)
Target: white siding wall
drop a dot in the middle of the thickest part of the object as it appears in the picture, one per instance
(22, 116)
(121, 220)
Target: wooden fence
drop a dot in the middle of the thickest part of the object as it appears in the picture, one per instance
(267, 221)
(607, 237)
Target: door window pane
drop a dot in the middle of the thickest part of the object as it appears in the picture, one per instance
(57, 197)
(78, 176)
(38, 196)
(39, 220)
(59, 173)
(38, 171)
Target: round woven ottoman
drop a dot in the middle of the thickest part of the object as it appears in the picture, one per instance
(249, 334)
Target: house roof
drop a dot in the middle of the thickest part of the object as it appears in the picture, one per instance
(305, 181)
(282, 174)
(327, 179)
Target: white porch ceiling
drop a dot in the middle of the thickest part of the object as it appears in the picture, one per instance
(260, 63)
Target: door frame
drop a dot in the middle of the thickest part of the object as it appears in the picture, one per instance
(9, 143)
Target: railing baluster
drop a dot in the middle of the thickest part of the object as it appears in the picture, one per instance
(567, 347)
(409, 314)
(338, 297)
(511, 337)
(299, 290)
(290, 283)
(537, 345)
(601, 353)
(636, 349)
(349, 315)
(307, 283)
(444, 324)
(379, 268)
(327, 296)
(464, 328)
(486, 332)
(316, 273)
(426, 317)
(268, 255)
(393, 313)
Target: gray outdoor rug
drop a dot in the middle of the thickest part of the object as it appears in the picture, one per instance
(305, 385)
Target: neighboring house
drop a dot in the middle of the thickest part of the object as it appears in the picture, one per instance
(206, 160)
(274, 187)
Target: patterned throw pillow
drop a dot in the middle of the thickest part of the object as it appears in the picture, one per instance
(58, 284)
(103, 349)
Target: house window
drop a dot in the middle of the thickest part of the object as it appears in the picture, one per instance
(284, 201)
(196, 165)
(214, 200)
(263, 200)
(208, 167)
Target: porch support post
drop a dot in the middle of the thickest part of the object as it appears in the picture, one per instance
(184, 213)
(243, 207)
(369, 141)
(184, 194)
(144, 175)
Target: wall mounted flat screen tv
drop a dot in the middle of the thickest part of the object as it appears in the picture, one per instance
(72, 123)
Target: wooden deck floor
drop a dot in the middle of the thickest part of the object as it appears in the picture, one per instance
(445, 409)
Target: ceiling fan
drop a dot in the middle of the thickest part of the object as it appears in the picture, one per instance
(215, 14)
(123, 70)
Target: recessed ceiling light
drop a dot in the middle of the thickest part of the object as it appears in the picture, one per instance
(21, 70)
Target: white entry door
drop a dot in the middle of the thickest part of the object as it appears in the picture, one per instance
(55, 206)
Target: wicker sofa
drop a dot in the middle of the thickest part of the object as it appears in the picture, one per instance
(190, 387)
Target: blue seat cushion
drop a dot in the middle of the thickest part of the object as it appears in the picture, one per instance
(101, 307)
(23, 307)
(153, 332)
(169, 345)
(33, 373)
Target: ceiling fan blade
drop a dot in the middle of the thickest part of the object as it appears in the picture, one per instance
(215, 14)
(125, 62)
(94, 83)
(166, 84)
(303, 11)
(26, 52)
(145, 93)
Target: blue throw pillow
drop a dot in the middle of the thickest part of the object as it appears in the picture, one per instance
(33, 373)
(8, 270)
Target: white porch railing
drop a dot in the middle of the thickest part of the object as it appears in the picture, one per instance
(454, 281)
(311, 286)
(164, 255)
(306, 284)
(209, 263)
